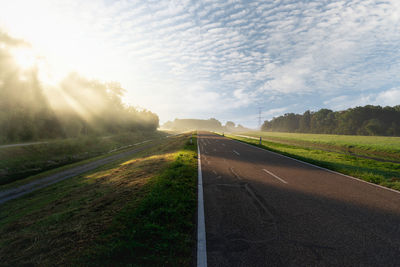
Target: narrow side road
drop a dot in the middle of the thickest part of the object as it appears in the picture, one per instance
(22, 190)
(264, 209)
(9, 194)
(23, 144)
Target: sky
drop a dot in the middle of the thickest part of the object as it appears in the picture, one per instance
(218, 59)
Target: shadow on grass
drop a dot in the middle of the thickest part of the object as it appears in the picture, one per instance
(146, 205)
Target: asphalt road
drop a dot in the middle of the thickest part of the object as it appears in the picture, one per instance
(264, 209)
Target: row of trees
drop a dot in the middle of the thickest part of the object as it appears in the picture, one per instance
(205, 125)
(77, 106)
(367, 120)
(193, 124)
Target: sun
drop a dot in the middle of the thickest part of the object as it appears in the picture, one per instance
(24, 57)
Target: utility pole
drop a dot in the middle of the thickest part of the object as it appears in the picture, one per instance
(259, 117)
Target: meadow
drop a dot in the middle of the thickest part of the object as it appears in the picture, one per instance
(375, 161)
(138, 210)
(19, 162)
(378, 147)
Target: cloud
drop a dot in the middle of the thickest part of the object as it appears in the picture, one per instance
(274, 111)
(241, 53)
(388, 97)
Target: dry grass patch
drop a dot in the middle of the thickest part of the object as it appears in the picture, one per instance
(54, 225)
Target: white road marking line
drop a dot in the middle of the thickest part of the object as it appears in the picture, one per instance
(270, 173)
(201, 226)
(237, 175)
(321, 168)
(214, 172)
(223, 144)
(237, 153)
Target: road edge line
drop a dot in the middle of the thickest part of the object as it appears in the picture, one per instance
(201, 229)
(319, 167)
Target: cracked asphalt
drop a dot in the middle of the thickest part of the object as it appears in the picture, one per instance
(264, 209)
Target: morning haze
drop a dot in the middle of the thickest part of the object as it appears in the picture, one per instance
(199, 133)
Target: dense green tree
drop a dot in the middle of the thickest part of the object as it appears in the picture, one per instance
(367, 120)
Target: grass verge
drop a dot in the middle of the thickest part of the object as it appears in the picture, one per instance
(377, 147)
(20, 162)
(139, 211)
(378, 172)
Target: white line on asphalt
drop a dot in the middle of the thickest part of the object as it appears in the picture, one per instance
(201, 226)
(318, 167)
(223, 144)
(215, 172)
(270, 173)
(237, 175)
(237, 153)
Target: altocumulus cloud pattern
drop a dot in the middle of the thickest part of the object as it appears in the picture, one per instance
(226, 58)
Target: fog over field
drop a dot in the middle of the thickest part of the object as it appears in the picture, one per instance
(216, 132)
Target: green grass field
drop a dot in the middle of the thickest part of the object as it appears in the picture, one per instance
(17, 163)
(376, 171)
(379, 147)
(139, 211)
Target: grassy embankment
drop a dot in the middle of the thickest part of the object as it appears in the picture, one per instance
(337, 152)
(20, 162)
(377, 147)
(138, 211)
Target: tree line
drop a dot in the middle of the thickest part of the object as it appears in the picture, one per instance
(77, 106)
(211, 124)
(367, 120)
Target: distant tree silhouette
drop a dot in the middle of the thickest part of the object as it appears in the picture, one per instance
(367, 120)
(194, 124)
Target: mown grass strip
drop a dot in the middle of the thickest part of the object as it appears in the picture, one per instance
(19, 163)
(158, 231)
(383, 173)
(93, 218)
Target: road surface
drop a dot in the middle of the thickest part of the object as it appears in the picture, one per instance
(264, 209)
